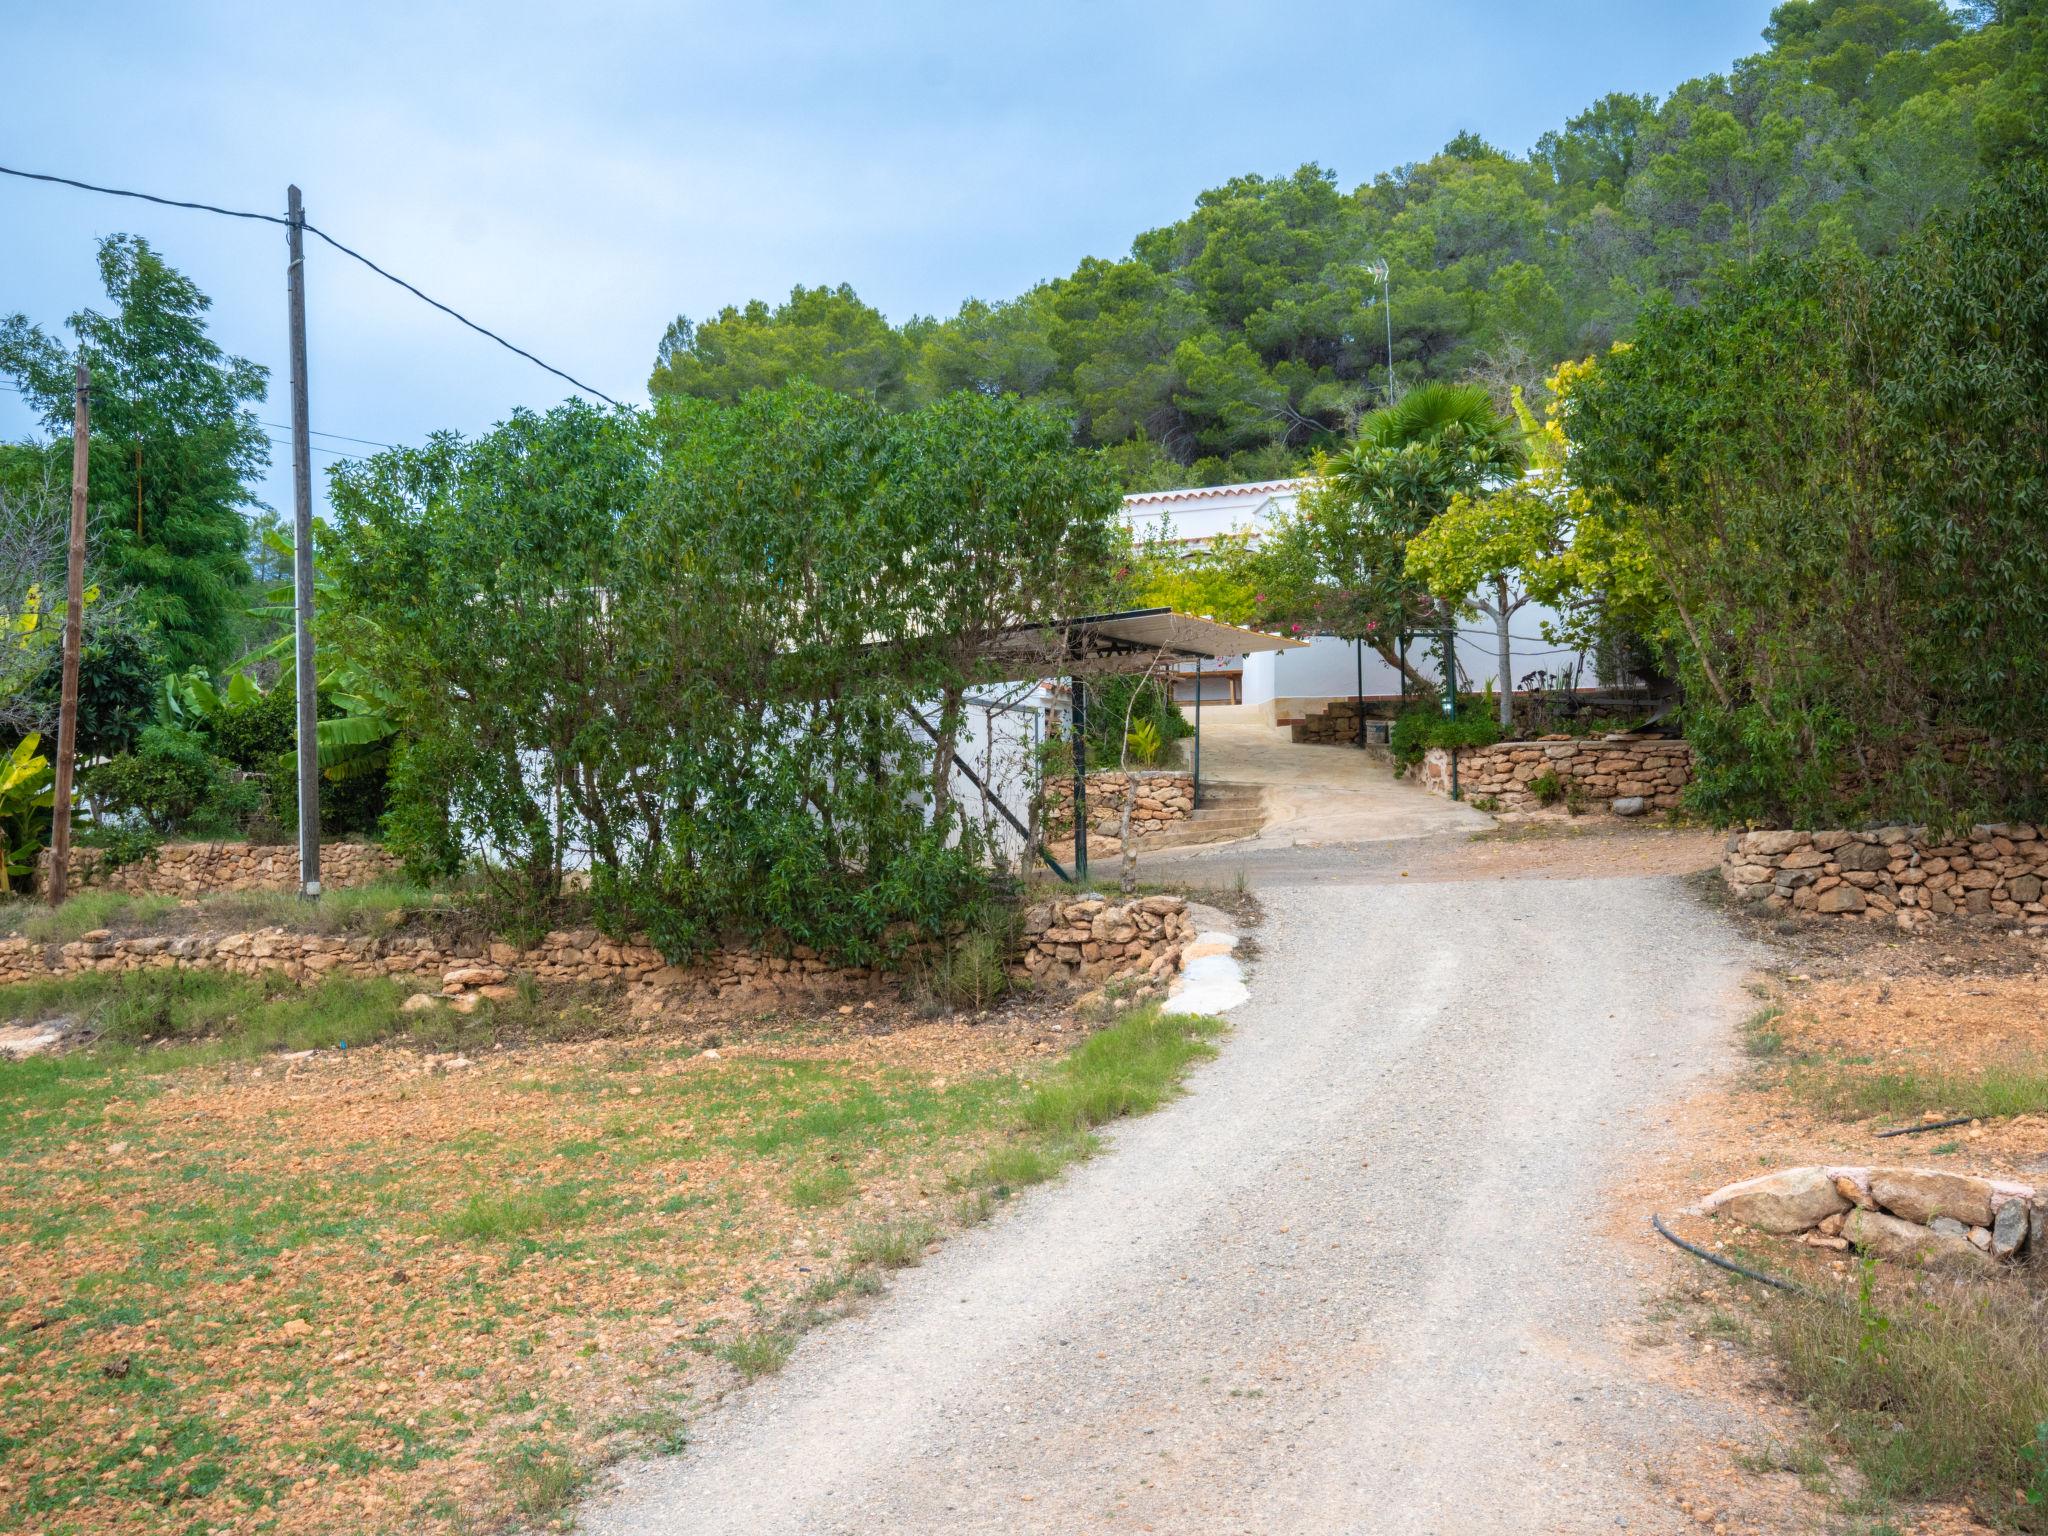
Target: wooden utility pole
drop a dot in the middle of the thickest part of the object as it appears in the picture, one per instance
(302, 559)
(74, 639)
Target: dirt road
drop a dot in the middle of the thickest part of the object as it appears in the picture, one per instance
(1355, 1281)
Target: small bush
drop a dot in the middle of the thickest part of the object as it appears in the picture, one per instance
(972, 968)
(170, 780)
(1416, 730)
(120, 846)
(900, 1246)
(1547, 787)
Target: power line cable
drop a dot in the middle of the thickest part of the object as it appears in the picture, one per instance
(458, 315)
(282, 426)
(367, 442)
(147, 197)
(272, 218)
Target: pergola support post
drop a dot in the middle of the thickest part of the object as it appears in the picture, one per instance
(1195, 798)
(1080, 735)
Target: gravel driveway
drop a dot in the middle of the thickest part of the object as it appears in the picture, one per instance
(1355, 1281)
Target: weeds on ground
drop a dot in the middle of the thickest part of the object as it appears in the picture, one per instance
(342, 909)
(972, 967)
(828, 1187)
(1127, 1069)
(760, 1353)
(896, 1245)
(1844, 1090)
(85, 912)
(542, 1480)
(1940, 1393)
(487, 1218)
(1761, 1036)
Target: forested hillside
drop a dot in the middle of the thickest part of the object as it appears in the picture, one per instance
(1230, 344)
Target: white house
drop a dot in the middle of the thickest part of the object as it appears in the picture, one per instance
(1283, 685)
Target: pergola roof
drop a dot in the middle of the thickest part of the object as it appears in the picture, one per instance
(1131, 641)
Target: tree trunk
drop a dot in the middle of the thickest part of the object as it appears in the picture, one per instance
(942, 757)
(1392, 657)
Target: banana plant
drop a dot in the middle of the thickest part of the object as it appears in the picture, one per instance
(27, 793)
(357, 741)
(189, 699)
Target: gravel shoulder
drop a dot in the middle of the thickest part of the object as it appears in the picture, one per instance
(1357, 1280)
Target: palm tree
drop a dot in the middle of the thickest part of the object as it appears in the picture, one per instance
(1410, 458)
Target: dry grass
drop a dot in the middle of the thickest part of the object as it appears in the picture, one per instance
(1934, 1393)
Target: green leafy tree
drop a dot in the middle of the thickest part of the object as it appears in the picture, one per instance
(1351, 537)
(1832, 464)
(825, 335)
(175, 446)
(1241, 340)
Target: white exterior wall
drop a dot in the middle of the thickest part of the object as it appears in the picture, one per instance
(999, 740)
(1277, 682)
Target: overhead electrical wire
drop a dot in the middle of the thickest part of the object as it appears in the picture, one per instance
(456, 314)
(282, 426)
(355, 255)
(147, 197)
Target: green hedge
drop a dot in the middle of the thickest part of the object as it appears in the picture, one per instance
(1418, 729)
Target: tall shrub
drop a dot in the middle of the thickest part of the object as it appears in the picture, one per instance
(689, 648)
(1837, 467)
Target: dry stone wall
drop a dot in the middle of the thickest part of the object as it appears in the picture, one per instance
(1065, 940)
(1087, 939)
(1623, 778)
(1336, 723)
(1902, 875)
(211, 869)
(1165, 796)
(1927, 1217)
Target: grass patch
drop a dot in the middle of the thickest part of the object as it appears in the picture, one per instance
(541, 1480)
(84, 912)
(762, 1352)
(158, 1022)
(896, 1245)
(489, 1218)
(1018, 1167)
(813, 1191)
(2018, 1087)
(1761, 1036)
(1942, 1394)
(1127, 1069)
(340, 909)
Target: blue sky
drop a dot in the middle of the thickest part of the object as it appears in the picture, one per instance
(574, 176)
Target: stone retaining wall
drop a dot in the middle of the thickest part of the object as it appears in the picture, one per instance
(1895, 874)
(1623, 778)
(1165, 796)
(1336, 723)
(1087, 939)
(209, 869)
(1065, 940)
(1926, 1217)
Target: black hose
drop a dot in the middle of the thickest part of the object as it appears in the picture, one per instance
(1934, 1125)
(1720, 1263)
